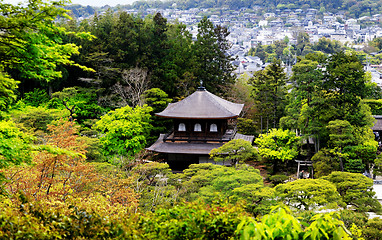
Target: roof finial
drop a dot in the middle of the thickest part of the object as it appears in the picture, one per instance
(201, 88)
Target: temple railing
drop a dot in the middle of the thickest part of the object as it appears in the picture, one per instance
(226, 137)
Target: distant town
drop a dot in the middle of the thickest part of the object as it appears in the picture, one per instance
(250, 27)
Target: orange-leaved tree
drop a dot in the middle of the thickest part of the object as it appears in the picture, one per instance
(60, 171)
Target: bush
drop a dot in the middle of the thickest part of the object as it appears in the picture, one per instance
(278, 179)
(373, 229)
(307, 194)
(280, 224)
(350, 217)
(48, 220)
(356, 190)
(192, 221)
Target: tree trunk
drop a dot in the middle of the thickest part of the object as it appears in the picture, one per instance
(341, 163)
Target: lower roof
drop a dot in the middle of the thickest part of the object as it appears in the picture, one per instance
(185, 147)
(378, 123)
(182, 147)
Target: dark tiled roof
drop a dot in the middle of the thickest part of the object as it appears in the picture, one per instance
(248, 138)
(202, 105)
(190, 147)
(182, 147)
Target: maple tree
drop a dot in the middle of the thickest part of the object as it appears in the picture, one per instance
(60, 171)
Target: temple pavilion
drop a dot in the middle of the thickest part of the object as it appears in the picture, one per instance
(201, 122)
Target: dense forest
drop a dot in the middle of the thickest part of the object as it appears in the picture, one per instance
(77, 104)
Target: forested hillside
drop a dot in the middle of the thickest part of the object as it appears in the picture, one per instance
(77, 104)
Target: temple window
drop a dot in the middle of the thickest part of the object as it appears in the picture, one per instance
(182, 127)
(213, 127)
(197, 127)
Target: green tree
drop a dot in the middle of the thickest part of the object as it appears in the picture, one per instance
(214, 66)
(279, 49)
(35, 120)
(340, 135)
(307, 194)
(322, 95)
(259, 51)
(8, 87)
(236, 151)
(180, 62)
(378, 165)
(194, 220)
(36, 98)
(325, 161)
(376, 42)
(269, 92)
(247, 126)
(159, 50)
(31, 42)
(124, 130)
(281, 224)
(344, 86)
(356, 190)
(81, 103)
(153, 181)
(373, 229)
(303, 44)
(15, 146)
(214, 183)
(359, 158)
(278, 146)
(305, 80)
(158, 100)
(327, 46)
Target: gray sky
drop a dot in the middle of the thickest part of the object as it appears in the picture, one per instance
(95, 3)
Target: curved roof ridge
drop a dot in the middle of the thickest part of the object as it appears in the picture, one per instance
(202, 105)
(227, 105)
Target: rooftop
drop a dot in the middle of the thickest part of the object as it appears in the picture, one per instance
(202, 105)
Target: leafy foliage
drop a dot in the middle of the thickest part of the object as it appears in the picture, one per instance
(235, 151)
(124, 130)
(192, 221)
(158, 100)
(269, 93)
(36, 98)
(278, 146)
(247, 126)
(81, 103)
(356, 190)
(79, 218)
(325, 161)
(359, 158)
(215, 183)
(35, 120)
(8, 87)
(15, 146)
(157, 186)
(214, 66)
(307, 194)
(280, 224)
(32, 43)
(373, 229)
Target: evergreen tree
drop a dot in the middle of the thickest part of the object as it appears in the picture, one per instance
(269, 92)
(214, 66)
